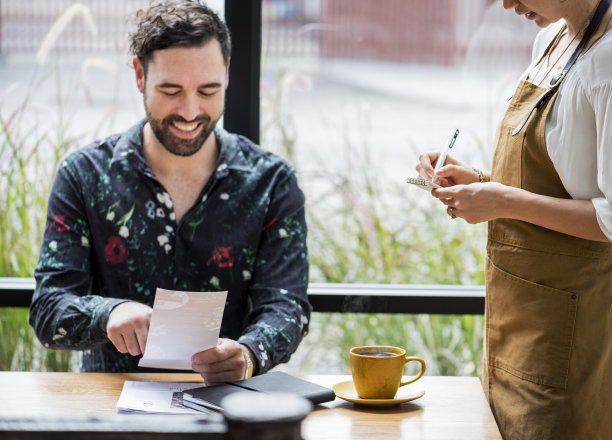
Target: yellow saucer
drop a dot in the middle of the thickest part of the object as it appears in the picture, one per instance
(346, 390)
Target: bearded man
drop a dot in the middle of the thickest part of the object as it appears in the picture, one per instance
(175, 202)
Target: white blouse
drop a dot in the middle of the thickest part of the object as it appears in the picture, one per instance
(579, 126)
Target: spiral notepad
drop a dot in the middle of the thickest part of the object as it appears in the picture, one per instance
(425, 184)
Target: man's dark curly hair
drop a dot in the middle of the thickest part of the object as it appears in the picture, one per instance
(177, 23)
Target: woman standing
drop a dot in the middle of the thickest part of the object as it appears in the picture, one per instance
(548, 201)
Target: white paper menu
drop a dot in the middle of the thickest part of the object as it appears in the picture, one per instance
(155, 397)
(182, 324)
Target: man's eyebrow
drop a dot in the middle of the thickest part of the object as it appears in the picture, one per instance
(210, 85)
(166, 85)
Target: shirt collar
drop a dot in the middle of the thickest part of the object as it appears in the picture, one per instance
(129, 146)
(231, 156)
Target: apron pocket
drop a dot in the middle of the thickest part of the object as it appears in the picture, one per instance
(530, 328)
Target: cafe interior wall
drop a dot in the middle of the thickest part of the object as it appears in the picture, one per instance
(351, 122)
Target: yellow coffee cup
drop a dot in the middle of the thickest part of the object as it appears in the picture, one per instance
(378, 369)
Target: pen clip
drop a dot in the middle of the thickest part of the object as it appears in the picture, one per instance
(453, 139)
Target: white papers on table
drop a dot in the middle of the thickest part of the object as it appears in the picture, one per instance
(155, 397)
(182, 324)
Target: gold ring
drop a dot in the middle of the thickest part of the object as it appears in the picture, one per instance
(451, 210)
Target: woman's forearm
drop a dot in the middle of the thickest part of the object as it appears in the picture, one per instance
(569, 216)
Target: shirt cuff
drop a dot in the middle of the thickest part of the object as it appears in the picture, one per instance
(261, 357)
(101, 314)
(603, 210)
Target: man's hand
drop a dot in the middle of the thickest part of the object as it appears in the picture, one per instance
(220, 364)
(128, 327)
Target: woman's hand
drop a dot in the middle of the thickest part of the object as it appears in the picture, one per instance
(476, 202)
(479, 202)
(452, 173)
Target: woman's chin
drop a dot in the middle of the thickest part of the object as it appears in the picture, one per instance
(542, 22)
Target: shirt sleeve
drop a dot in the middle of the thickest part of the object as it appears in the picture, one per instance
(579, 132)
(64, 313)
(602, 103)
(280, 308)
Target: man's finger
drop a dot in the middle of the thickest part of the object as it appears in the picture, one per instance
(118, 342)
(215, 378)
(141, 336)
(132, 343)
(214, 355)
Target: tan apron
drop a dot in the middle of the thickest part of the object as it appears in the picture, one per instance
(548, 349)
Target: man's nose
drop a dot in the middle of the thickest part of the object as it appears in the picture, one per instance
(189, 108)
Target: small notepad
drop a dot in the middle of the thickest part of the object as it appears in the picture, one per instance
(211, 397)
(425, 184)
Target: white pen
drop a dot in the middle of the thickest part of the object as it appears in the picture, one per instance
(452, 137)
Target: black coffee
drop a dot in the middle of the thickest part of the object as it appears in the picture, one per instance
(378, 353)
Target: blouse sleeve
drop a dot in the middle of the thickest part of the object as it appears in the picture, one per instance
(602, 105)
(579, 131)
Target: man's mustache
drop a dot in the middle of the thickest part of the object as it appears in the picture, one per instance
(178, 118)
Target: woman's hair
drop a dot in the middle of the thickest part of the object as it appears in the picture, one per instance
(177, 23)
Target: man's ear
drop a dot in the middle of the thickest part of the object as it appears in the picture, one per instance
(227, 73)
(140, 74)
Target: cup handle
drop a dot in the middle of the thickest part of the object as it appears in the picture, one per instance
(420, 373)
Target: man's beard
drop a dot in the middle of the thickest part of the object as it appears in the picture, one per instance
(174, 144)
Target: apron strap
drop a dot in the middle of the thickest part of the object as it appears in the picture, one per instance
(602, 7)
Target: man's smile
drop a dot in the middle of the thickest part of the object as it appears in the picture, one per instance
(185, 130)
(185, 127)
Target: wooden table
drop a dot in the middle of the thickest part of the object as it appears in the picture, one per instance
(452, 408)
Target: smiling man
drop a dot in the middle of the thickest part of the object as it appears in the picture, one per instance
(179, 203)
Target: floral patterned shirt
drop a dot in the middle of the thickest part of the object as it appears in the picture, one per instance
(111, 236)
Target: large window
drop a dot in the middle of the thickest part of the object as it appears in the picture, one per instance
(351, 92)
